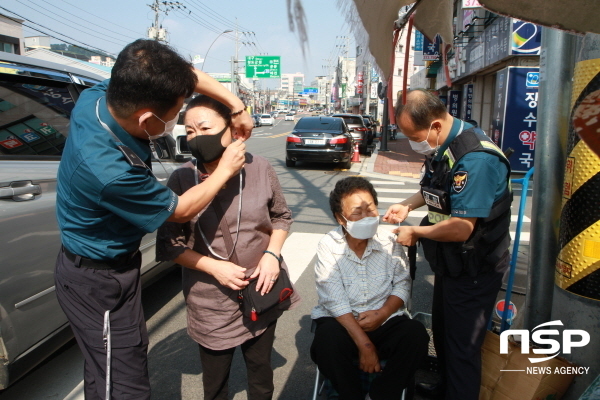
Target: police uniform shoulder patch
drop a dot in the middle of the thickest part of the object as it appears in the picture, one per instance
(459, 181)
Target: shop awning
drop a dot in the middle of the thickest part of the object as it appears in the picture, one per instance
(432, 17)
(432, 69)
(373, 20)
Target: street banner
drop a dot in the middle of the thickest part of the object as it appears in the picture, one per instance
(515, 111)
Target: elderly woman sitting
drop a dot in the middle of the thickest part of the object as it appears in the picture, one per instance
(363, 284)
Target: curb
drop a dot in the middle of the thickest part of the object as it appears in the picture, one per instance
(369, 170)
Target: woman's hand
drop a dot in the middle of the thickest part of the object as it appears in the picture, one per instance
(242, 125)
(267, 272)
(228, 274)
(233, 158)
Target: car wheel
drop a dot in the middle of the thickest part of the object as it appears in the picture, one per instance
(290, 163)
(347, 164)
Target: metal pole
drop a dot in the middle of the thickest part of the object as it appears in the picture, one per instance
(576, 301)
(368, 97)
(385, 122)
(233, 88)
(211, 45)
(556, 72)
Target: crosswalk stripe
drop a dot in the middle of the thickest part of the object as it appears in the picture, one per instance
(386, 190)
(375, 183)
(392, 200)
(297, 258)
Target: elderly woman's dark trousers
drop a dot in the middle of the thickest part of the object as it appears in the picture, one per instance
(216, 365)
(401, 341)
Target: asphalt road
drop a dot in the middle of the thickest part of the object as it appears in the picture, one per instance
(175, 370)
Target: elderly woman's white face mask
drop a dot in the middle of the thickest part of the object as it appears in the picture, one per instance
(364, 228)
(360, 213)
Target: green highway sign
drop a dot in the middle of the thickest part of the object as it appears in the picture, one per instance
(263, 67)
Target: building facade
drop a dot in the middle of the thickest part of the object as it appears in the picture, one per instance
(492, 78)
(11, 35)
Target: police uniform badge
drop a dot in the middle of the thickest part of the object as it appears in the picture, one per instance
(459, 181)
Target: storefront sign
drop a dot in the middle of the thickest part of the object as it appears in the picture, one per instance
(467, 102)
(454, 103)
(431, 50)
(515, 111)
(526, 38)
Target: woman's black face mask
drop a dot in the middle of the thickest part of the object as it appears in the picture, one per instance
(207, 148)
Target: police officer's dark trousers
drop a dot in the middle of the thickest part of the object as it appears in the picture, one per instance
(85, 293)
(461, 309)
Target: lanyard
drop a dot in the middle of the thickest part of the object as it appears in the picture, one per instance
(237, 234)
(129, 154)
(453, 134)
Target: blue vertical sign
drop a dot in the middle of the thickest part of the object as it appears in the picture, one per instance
(454, 103)
(519, 128)
(467, 102)
(418, 41)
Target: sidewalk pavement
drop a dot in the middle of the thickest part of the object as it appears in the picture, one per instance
(400, 160)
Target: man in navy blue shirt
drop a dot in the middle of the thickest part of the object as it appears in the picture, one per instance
(465, 235)
(108, 199)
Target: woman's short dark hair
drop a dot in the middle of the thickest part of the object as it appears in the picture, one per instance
(208, 102)
(346, 187)
(422, 107)
(149, 74)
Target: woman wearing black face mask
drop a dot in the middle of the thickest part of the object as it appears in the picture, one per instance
(251, 206)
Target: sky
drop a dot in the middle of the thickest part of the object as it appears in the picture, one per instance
(111, 24)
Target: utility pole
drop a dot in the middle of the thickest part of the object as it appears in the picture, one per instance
(156, 32)
(368, 90)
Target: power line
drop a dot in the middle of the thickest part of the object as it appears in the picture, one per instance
(96, 16)
(223, 20)
(199, 21)
(88, 48)
(76, 23)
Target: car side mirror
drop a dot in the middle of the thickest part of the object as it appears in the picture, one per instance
(182, 146)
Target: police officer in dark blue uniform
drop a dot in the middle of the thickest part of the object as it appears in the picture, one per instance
(108, 199)
(465, 236)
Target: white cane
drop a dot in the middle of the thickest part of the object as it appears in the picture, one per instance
(107, 346)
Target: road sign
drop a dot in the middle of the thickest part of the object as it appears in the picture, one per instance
(310, 90)
(263, 67)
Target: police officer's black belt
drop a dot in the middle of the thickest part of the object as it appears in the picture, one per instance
(118, 263)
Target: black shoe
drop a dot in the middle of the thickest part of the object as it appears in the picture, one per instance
(431, 390)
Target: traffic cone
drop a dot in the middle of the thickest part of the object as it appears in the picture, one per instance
(356, 155)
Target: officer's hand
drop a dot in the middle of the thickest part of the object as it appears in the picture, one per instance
(242, 125)
(396, 213)
(370, 320)
(406, 235)
(229, 274)
(234, 157)
(368, 359)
